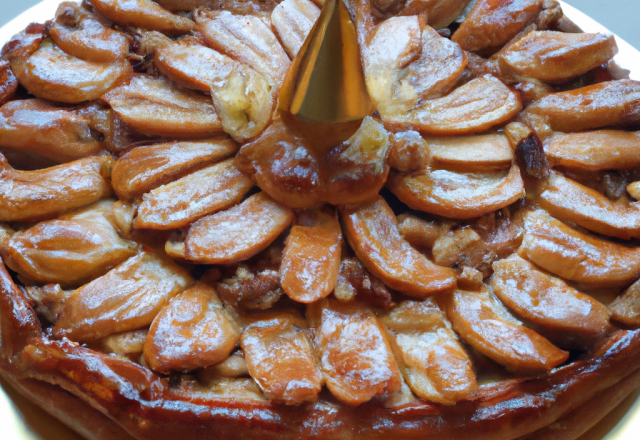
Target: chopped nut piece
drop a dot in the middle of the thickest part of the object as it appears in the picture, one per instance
(634, 190)
(238, 233)
(457, 195)
(246, 39)
(595, 150)
(251, 290)
(38, 195)
(482, 324)
(180, 203)
(293, 20)
(49, 73)
(486, 152)
(354, 281)
(474, 107)
(626, 307)
(232, 367)
(433, 362)
(191, 332)
(470, 279)
(373, 233)
(570, 201)
(155, 106)
(146, 168)
(491, 24)
(281, 359)
(408, 152)
(144, 14)
(69, 251)
(577, 256)
(124, 214)
(463, 247)
(569, 318)
(311, 259)
(127, 298)
(556, 56)
(406, 63)
(49, 300)
(55, 133)
(602, 105)
(128, 344)
(82, 35)
(355, 356)
(418, 232)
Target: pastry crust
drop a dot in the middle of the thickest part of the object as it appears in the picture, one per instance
(149, 408)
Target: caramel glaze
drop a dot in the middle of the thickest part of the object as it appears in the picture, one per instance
(150, 408)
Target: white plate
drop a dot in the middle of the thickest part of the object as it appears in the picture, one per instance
(23, 420)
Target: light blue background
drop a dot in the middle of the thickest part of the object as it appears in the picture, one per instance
(620, 16)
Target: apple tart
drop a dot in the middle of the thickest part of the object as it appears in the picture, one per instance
(252, 219)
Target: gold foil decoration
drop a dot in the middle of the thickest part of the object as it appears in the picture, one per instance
(324, 92)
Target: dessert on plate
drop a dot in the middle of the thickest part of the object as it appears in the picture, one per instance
(349, 219)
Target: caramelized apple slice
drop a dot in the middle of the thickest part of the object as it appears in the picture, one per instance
(38, 195)
(485, 152)
(408, 62)
(557, 56)
(435, 365)
(281, 359)
(601, 105)
(372, 231)
(577, 256)
(145, 168)
(246, 39)
(285, 166)
(8, 82)
(595, 150)
(626, 307)
(38, 127)
(355, 356)
(191, 332)
(49, 73)
(71, 250)
(440, 13)
(144, 14)
(127, 298)
(80, 34)
(458, 195)
(311, 258)
(482, 322)
(293, 20)
(570, 201)
(155, 106)
(472, 108)
(238, 233)
(493, 23)
(184, 201)
(357, 168)
(566, 316)
(243, 97)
